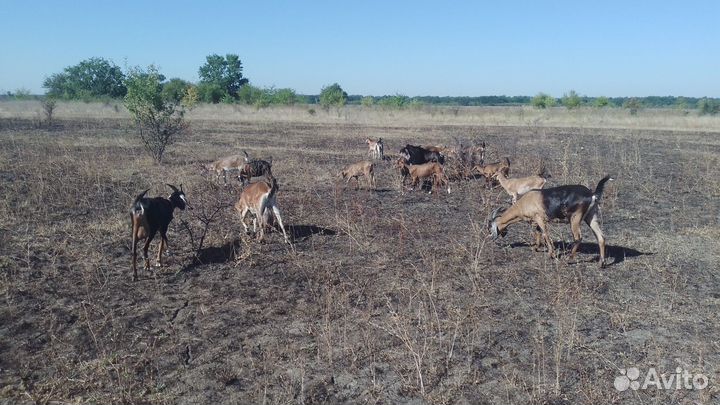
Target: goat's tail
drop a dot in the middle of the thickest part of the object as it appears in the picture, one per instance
(138, 208)
(597, 195)
(600, 187)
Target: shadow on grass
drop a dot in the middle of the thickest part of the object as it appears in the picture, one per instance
(616, 253)
(302, 232)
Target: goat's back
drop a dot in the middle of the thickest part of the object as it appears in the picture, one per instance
(562, 201)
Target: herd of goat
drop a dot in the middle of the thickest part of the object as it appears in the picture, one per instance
(531, 202)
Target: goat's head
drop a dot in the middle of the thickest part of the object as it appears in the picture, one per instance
(177, 198)
(492, 223)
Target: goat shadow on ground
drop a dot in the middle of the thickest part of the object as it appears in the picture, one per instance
(617, 253)
(213, 255)
(302, 232)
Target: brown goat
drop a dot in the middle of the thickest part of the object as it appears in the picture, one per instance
(423, 171)
(573, 203)
(489, 170)
(259, 199)
(357, 170)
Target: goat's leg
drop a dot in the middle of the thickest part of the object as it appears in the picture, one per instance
(145, 250)
(243, 214)
(595, 226)
(134, 247)
(542, 225)
(276, 211)
(537, 234)
(575, 222)
(163, 246)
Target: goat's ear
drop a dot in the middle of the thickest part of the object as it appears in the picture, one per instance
(172, 187)
(181, 187)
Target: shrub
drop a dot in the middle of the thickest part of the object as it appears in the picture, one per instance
(571, 100)
(602, 101)
(159, 121)
(633, 105)
(396, 101)
(542, 100)
(367, 101)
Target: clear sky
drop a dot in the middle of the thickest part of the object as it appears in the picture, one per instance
(379, 47)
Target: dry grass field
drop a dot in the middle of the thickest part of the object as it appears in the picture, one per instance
(383, 297)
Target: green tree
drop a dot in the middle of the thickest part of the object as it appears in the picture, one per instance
(249, 94)
(632, 104)
(224, 73)
(160, 121)
(571, 100)
(707, 106)
(284, 97)
(211, 92)
(367, 101)
(602, 101)
(175, 89)
(542, 100)
(332, 95)
(91, 78)
(396, 101)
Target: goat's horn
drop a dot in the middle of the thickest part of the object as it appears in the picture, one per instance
(141, 195)
(496, 213)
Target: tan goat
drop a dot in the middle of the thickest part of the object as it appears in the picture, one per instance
(489, 170)
(226, 164)
(259, 199)
(357, 170)
(519, 186)
(376, 149)
(423, 171)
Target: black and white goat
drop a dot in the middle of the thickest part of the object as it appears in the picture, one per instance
(254, 168)
(150, 215)
(417, 155)
(573, 203)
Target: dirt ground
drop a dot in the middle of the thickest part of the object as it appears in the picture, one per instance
(384, 297)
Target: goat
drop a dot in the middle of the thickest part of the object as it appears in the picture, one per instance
(254, 168)
(519, 186)
(489, 170)
(224, 165)
(258, 199)
(416, 155)
(423, 171)
(150, 215)
(376, 149)
(573, 203)
(357, 170)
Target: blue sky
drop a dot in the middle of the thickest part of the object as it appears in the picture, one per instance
(455, 48)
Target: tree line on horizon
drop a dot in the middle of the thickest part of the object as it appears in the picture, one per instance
(222, 81)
